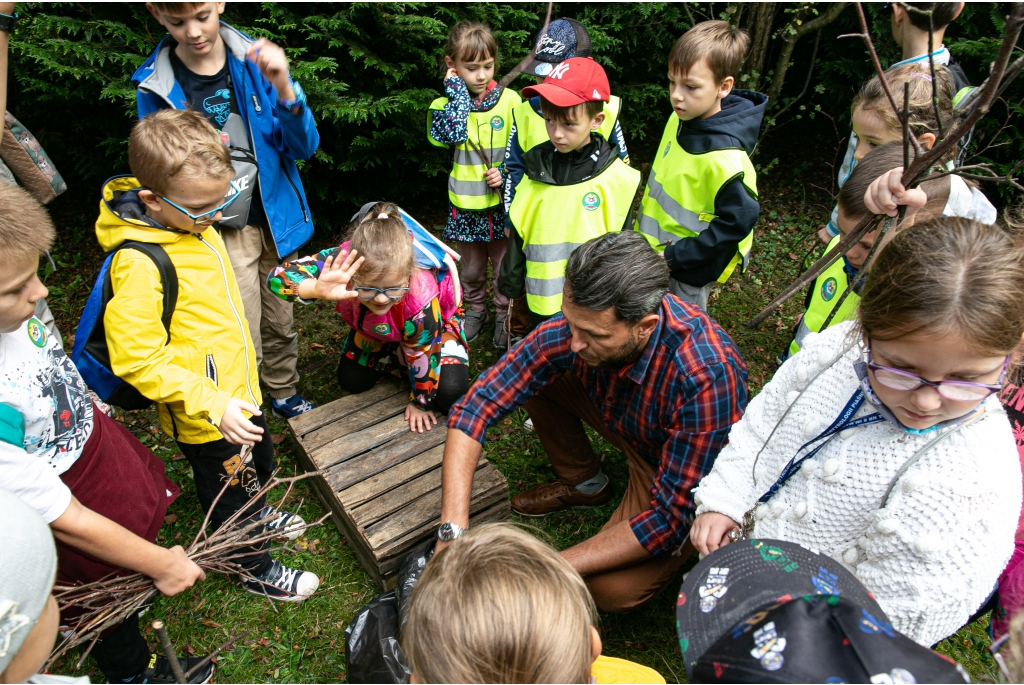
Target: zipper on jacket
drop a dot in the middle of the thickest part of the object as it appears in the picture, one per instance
(241, 323)
(302, 206)
(255, 103)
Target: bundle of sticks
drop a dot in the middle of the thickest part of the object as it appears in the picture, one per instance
(107, 602)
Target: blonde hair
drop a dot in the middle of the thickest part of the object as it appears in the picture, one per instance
(948, 275)
(25, 226)
(170, 144)
(381, 238)
(715, 41)
(872, 98)
(471, 41)
(500, 606)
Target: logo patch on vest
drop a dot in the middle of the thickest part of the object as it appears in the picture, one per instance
(668, 146)
(382, 328)
(591, 201)
(497, 123)
(36, 332)
(828, 289)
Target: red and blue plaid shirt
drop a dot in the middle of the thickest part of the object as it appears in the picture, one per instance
(674, 405)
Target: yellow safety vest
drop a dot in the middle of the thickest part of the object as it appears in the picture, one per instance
(828, 288)
(555, 220)
(489, 130)
(679, 200)
(531, 131)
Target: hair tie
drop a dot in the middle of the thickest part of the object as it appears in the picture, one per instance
(382, 215)
(926, 77)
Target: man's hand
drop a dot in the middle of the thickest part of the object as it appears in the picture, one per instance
(272, 63)
(418, 418)
(710, 531)
(886, 193)
(237, 429)
(180, 573)
(335, 278)
(493, 178)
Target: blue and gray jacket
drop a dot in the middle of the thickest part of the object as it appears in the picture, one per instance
(277, 136)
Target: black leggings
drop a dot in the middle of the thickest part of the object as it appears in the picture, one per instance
(452, 382)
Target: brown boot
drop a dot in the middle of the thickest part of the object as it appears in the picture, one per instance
(548, 498)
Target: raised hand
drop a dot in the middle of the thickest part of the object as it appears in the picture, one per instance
(335, 279)
(886, 193)
(273, 64)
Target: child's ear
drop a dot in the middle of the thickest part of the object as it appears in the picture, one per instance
(595, 644)
(725, 87)
(150, 199)
(220, 7)
(152, 10)
(449, 62)
(927, 140)
(597, 122)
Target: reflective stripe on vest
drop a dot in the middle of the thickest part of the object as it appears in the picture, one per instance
(828, 288)
(489, 130)
(555, 220)
(679, 200)
(531, 131)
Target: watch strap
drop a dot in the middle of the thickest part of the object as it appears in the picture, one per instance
(8, 22)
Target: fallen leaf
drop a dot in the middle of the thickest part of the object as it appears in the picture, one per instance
(315, 346)
(191, 650)
(178, 457)
(209, 623)
(263, 642)
(278, 439)
(170, 518)
(794, 256)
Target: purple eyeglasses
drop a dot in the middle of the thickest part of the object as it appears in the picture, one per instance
(958, 391)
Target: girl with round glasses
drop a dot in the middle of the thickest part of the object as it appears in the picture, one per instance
(404, 321)
(882, 443)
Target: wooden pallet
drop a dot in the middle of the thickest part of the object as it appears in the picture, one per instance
(381, 482)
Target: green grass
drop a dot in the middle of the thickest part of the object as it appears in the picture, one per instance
(304, 643)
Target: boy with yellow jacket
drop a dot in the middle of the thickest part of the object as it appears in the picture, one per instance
(201, 370)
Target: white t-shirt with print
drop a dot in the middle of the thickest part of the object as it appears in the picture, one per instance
(38, 380)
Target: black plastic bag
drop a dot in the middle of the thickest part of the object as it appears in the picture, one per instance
(371, 637)
(371, 644)
(409, 575)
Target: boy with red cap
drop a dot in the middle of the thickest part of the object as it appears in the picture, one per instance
(575, 188)
(700, 205)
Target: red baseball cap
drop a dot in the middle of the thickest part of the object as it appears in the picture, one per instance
(573, 82)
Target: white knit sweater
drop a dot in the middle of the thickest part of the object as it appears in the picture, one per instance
(932, 556)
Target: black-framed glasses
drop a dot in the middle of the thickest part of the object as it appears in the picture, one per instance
(205, 217)
(367, 293)
(958, 391)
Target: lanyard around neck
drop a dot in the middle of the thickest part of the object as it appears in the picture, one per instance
(844, 421)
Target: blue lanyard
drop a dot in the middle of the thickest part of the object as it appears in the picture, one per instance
(843, 422)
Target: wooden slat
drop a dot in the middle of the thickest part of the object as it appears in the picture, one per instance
(359, 442)
(356, 421)
(393, 477)
(404, 446)
(388, 502)
(423, 509)
(339, 408)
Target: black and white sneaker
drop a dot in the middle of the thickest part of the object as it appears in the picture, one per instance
(283, 583)
(286, 525)
(159, 670)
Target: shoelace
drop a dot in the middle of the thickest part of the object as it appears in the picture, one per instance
(282, 577)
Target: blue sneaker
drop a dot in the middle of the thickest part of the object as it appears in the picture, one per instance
(290, 407)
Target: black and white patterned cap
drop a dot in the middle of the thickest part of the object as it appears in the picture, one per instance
(565, 38)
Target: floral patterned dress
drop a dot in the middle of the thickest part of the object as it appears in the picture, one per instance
(429, 340)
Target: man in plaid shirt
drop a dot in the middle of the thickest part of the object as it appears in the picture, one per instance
(651, 374)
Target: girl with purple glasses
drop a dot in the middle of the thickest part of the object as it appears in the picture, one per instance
(882, 443)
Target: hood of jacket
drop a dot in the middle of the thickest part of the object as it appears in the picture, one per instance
(123, 217)
(157, 76)
(545, 164)
(735, 127)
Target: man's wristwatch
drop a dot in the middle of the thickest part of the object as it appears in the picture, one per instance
(294, 106)
(8, 22)
(449, 531)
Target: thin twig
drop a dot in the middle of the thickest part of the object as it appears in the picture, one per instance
(510, 76)
(195, 669)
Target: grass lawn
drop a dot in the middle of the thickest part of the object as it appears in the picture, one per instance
(304, 643)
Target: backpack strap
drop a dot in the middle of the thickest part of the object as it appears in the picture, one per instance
(168, 276)
(12, 426)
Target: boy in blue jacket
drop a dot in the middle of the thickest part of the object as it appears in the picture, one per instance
(244, 90)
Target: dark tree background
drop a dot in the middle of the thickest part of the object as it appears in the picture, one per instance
(370, 70)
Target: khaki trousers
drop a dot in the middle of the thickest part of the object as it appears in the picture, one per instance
(559, 411)
(253, 256)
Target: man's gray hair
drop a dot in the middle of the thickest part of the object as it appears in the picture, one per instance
(619, 270)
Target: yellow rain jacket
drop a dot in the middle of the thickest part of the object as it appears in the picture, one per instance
(210, 357)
